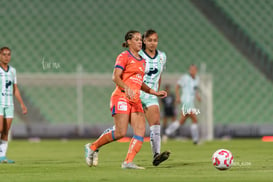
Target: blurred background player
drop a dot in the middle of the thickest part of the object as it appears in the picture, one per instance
(8, 85)
(169, 109)
(188, 84)
(155, 63)
(125, 102)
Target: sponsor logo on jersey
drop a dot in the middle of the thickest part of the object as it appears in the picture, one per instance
(7, 94)
(122, 106)
(8, 83)
(152, 71)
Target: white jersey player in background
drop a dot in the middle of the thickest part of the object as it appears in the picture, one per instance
(155, 64)
(8, 86)
(188, 84)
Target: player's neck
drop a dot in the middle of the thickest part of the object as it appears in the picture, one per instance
(151, 53)
(135, 53)
(4, 66)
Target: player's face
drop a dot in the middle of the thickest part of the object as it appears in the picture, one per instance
(193, 70)
(136, 42)
(151, 42)
(5, 56)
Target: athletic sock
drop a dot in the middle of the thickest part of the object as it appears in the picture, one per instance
(103, 139)
(172, 128)
(3, 148)
(155, 138)
(194, 132)
(134, 148)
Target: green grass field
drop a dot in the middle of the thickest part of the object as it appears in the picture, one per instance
(57, 160)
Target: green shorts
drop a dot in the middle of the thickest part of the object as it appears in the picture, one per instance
(7, 111)
(149, 102)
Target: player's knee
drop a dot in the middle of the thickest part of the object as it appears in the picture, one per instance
(120, 134)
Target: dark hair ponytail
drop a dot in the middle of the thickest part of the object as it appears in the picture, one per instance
(128, 36)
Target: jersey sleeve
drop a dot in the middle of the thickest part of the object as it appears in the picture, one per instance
(121, 61)
(164, 60)
(14, 76)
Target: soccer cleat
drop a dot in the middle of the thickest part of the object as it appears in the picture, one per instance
(5, 160)
(89, 155)
(158, 158)
(96, 158)
(130, 165)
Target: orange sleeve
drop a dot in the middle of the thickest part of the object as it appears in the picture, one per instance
(121, 61)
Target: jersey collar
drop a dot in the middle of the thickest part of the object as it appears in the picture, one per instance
(156, 53)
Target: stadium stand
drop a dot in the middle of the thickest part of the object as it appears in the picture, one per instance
(54, 37)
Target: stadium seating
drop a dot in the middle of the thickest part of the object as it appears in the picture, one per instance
(254, 18)
(53, 37)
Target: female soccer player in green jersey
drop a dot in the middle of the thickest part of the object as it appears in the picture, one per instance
(155, 64)
(8, 86)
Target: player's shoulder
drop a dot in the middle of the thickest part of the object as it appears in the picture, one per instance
(12, 69)
(141, 53)
(161, 53)
(124, 53)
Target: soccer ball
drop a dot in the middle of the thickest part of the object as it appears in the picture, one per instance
(222, 159)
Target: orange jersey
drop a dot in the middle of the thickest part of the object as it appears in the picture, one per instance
(133, 73)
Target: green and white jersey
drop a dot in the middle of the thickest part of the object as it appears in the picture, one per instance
(8, 78)
(189, 86)
(154, 68)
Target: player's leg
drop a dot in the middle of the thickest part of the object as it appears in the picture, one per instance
(1, 131)
(138, 125)
(4, 140)
(152, 114)
(194, 128)
(153, 117)
(8, 113)
(96, 153)
(176, 124)
(121, 124)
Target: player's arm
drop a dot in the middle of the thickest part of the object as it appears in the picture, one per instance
(117, 78)
(197, 94)
(148, 90)
(177, 94)
(159, 82)
(17, 94)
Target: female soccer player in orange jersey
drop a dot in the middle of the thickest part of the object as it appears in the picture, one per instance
(125, 101)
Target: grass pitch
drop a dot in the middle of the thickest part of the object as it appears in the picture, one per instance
(59, 160)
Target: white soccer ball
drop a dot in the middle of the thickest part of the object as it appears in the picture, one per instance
(222, 159)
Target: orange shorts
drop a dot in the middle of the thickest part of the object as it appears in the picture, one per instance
(121, 105)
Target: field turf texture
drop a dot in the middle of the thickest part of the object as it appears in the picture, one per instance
(63, 160)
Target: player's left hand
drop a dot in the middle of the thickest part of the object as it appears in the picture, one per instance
(162, 94)
(24, 109)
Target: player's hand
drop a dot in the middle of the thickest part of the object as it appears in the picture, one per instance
(130, 93)
(24, 109)
(198, 98)
(162, 94)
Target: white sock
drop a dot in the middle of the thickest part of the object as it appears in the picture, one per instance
(1, 150)
(194, 132)
(155, 138)
(4, 148)
(172, 128)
